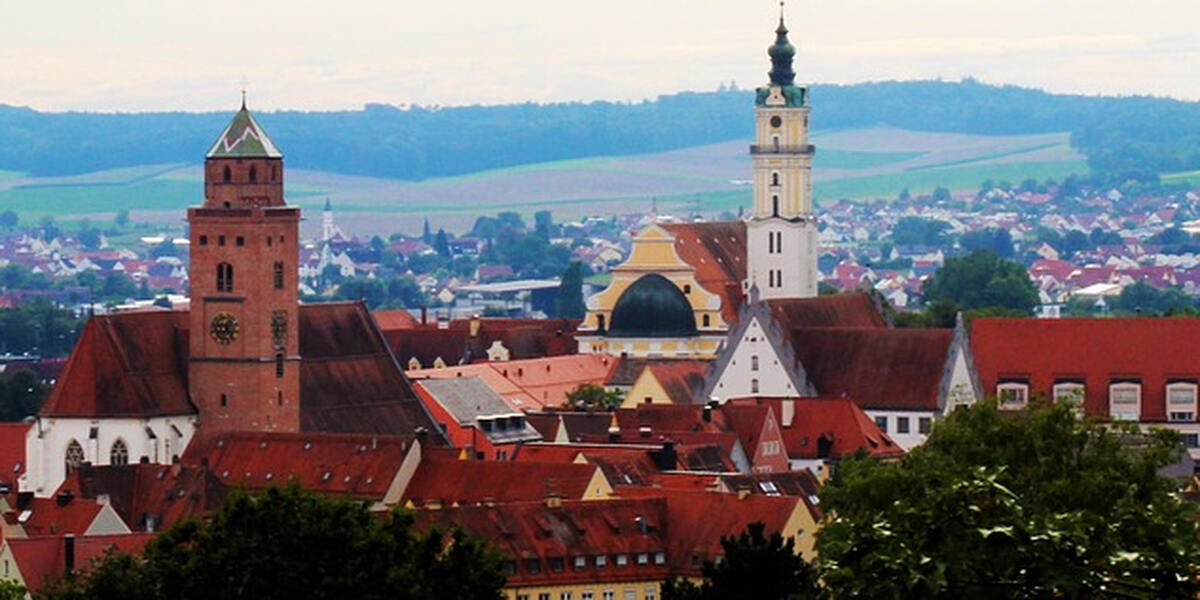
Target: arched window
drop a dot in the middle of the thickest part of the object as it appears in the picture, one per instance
(119, 455)
(775, 205)
(754, 363)
(253, 174)
(774, 178)
(228, 175)
(224, 400)
(224, 277)
(279, 365)
(278, 271)
(753, 386)
(74, 456)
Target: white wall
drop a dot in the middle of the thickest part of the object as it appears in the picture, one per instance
(46, 445)
(773, 376)
(913, 438)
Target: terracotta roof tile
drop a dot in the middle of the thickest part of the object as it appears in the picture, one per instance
(853, 309)
(717, 252)
(42, 559)
(150, 497)
(832, 428)
(450, 482)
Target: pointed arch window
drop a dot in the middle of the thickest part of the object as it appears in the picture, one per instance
(74, 456)
(224, 277)
(253, 174)
(119, 455)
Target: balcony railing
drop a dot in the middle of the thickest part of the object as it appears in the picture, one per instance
(773, 149)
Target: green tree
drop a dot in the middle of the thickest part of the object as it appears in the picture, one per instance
(286, 543)
(9, 219)
(543, 223)
(122, 218)
(10, 590)
(569, 303)
(368, 289)
(89, 236)
(21, 395)
(589, 396)
(1005, 504)
(49, 228)
(441, 244)
(941, 194)
(994, 240)
(426, 236)
(911, 231)
(754, 566)
(980, 280)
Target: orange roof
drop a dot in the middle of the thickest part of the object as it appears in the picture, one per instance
(826, 428)
(55, 516)
(355, 465)
(462, 482)
(534, 383)
(12, 451)
(390, 320)
(42, 559)
(717, 252)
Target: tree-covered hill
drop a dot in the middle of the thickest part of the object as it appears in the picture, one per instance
(1119, 135)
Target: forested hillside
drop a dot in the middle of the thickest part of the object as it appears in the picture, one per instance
(1121, 136)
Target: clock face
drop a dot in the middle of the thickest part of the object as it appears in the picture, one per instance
(279, 328)
(776, 121)
(224, 328)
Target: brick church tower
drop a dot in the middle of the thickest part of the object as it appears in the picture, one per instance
(244, 364)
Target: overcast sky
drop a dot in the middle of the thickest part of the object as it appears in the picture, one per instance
(141, 55)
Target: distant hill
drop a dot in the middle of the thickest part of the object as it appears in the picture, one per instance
(1134, 134)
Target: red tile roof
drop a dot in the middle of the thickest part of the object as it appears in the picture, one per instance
(533, 531)
(450, 482)
(12, 451)
(524, 338)
(50, 516)
(832, 428)
(852, 309)
(532, 384)
(150, 497)
(358, 466)
(125, 365)
(717, 252)
(1096, 352)
(391, 320)
(681, 379)
(42, 559)
(898, 369)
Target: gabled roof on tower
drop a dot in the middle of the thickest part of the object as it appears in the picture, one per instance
(244, 138)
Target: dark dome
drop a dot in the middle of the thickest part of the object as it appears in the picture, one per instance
(653, 307)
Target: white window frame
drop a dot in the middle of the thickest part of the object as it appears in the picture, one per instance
(1125, 414)
(1181, 412)
(1019, 389)
(1070, 392)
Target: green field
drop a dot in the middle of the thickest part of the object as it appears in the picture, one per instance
(854, 164)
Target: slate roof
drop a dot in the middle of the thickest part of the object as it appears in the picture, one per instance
(1095, 352)
(244, 138)
(717, 252)
(898, 369)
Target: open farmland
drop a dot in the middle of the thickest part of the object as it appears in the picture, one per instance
(855, 164)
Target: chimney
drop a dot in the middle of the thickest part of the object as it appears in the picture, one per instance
(68, 554)
(666, 459)
(475, 322)
(424, 315)
(787, 412)
(64, 497)
(707, 414)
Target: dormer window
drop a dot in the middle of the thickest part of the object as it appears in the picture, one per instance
(1125, 400)
(1013, 395)
(1070, 393)
(1181, 401)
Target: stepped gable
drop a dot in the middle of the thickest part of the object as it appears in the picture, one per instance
(717, 252)
(451, 482)
(150, 497)
(40, 560)
(532, 531)
(244, 138)
(130, 365)
(854, 309)
(349, 380)
(881, 369)
(826, 427)
(1094, 352)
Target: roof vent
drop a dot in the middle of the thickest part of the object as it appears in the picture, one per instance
(269, 476)
(327, 476)
(262, 444)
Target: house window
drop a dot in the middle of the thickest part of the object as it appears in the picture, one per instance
(278, 272)
(601, 561)
(1070, 393)
(270, 240)
(74, 456)
(580, 562)
(557, 563)
(224, 277)
(1125, 400)
(608, 594)
(119, 455)
(753, 386)
(545, 596)
(224, 400)
(643, 559)
(588, 595)
(622, 560)
(754, 363)
(533, 565)
(1181, 401)
(901, 424)
(651, 593)
(1013, 395)
(1191, 440)
(564, 596)
(881, 423)
(924, 425)
(220, 240)
(660, 558)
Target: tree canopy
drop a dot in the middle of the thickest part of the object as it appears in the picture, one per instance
(1000, 504)
(591, 396)
(982, 280)
(754, 566)
(287, 543)
(569, 303)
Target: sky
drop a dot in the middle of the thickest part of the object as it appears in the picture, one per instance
(189, 55)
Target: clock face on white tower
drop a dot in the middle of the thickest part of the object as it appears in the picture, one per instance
(782, 230)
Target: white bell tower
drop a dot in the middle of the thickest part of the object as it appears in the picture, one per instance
(782, 230)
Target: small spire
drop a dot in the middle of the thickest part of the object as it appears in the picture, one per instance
(244, 83)
(781, 53)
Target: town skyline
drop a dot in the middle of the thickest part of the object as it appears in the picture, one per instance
(190, 58)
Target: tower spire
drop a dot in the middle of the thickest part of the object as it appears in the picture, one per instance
(781, 53)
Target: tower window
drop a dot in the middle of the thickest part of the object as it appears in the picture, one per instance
(599, 322)
(278, 397)
(775, 205)
(119, 455)
(204, 240)
(270, 240)
(220, 240)
(225, 277)
(224, 401)
(278, 271)
(274, 173)
(753, 386)
(776, 121)
(253, 174)
(279, 365)
(754, 363)
(774, 178)
(241, 241)
(228, 174)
